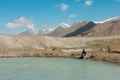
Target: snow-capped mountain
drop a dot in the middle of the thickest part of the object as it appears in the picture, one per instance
(59, 29)
(79, 28)
(108, 27)
(107, 20)
(64, 25)
(45, 31)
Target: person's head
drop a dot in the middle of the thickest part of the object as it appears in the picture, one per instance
(83, 49)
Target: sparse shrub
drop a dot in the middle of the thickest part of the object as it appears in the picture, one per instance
(92, 57)
(114, 49)
(26, 55)
(54, 48)
(36, 55)
(109, 49)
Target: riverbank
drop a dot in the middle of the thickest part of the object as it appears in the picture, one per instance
(95, 55)
(97, 48)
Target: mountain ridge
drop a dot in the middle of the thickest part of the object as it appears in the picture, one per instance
(106, 27)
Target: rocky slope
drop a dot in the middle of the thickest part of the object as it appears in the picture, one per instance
(37, 42)
(59, 30)
(108, 27)
(79, 28)
(42, 42)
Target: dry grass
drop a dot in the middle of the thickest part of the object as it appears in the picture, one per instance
(97, 48)
(93, 55)
(115, 48)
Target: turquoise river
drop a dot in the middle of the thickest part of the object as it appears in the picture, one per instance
(56, 69)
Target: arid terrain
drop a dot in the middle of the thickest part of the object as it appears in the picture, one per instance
(97, 48)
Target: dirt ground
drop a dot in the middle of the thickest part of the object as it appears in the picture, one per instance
(71, 53)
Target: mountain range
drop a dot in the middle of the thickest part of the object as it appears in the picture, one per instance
(107, 27)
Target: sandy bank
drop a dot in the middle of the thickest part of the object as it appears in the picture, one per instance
(72, 53)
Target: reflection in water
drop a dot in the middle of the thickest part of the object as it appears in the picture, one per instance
(56, 69)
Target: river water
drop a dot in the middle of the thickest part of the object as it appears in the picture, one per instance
(56, 69)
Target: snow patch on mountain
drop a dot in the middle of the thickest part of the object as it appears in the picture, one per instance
(106, 20)
(64, 25)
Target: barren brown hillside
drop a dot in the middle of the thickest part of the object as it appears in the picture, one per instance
(108, 28)
(77, 28)
(43, 42)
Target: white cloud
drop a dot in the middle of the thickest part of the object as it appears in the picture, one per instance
(72, 16)
(77, 0)
(12, 25)
(88, 2)
(22, 21)
(63, 6)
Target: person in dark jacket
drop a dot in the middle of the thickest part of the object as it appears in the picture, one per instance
(83, 54)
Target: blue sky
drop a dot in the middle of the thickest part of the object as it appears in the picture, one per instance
(20, 15)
